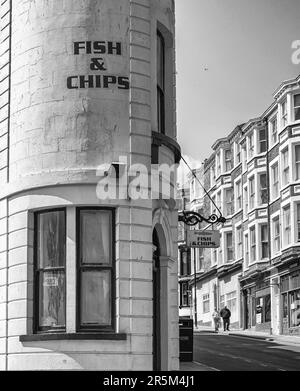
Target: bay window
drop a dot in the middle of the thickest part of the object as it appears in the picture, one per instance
(273, 130)
(262, 139)
(297, 107)
(252, 244)
(264, 241)
(285, 166)
(50, 274)
(238, 190)
(228, 202)
(298, 223)
(229, 250)
(160, 83)
(297, 162)
(284, 114)
(286, 225)
(246, 250)
(251, 145)
(228, 163)
(263, 189)
(251, 193)
(239, 245)
(94, 268)
(245, 200)
(276, 235)
(275, 181)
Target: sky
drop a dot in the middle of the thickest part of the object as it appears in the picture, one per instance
(231, 57)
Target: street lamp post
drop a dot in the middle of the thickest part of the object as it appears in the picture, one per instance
(195, 293)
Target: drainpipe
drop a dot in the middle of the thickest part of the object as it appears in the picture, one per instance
(195, 293)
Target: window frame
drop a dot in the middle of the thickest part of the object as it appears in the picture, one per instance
(275, 181)
(284, 113)
(252, 234)
(229, 249)
(287, 229)
(262, 141)
(161, 101)
(285, 168)
(264, 242)
(276, 238)
(296, 163)
(112, 326)
(296, 107)
(36, 272)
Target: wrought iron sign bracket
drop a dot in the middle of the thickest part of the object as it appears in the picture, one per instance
(193, 218)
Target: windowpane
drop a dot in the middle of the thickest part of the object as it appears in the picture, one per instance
(95, 237)
(263, 189)
(298, 222)
(264, 241)
(52, 299)
(51, 239)
(96, 298)
(297, 161)
(262, 140)
(297, 106)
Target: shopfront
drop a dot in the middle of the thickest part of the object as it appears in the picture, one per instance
(290, 303)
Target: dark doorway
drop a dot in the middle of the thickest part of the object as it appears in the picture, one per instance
(156, 303)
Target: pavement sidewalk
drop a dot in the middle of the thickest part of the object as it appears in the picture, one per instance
(285, 339)
(195, 366)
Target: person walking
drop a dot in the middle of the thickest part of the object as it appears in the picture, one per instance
(226, 314)
(216, 318)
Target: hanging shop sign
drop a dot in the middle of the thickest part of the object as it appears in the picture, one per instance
(101, 77)
(203, 239)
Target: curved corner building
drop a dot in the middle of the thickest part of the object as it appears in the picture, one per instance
(87, 96)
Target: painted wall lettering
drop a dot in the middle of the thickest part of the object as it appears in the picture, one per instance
(97, 64)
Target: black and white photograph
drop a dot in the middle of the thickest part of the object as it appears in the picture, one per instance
(149, 190)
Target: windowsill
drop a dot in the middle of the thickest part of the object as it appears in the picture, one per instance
(72, 336)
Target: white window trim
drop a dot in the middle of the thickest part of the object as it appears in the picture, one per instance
(272, 218)
(274, 162)
(270, 121)
(293, 107)
(238, 226)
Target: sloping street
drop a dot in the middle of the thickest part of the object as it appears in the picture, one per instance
(225, 352)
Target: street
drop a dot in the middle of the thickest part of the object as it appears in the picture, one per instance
(230, 353)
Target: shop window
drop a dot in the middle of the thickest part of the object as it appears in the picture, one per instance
(160, 83)
(295, 308)
(231, 301)
(267, 308)
(297, 107)
(95, 268)
(222, 301)
(262, 136)
(206, 306)
(50, 275)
